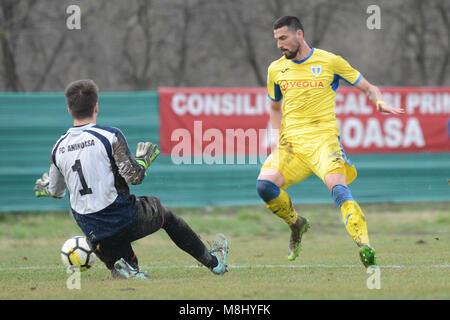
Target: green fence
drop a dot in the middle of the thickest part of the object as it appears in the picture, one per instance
(31, 123)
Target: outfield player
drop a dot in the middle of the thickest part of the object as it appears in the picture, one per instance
(302, 85)
(96, 165)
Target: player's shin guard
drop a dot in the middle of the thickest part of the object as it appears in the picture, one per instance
(355, 223)
(277, 200)
(352, 215)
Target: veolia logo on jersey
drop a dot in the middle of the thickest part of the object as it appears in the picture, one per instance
(316, 70)
(286, 84)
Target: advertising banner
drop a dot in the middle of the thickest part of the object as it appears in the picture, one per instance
(235, 121)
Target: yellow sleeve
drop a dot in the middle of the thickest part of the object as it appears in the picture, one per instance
(273, 89)
(345, 71)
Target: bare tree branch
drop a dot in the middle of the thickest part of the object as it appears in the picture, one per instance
(50, 62)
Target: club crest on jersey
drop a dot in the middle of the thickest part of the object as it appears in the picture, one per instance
(316, 70)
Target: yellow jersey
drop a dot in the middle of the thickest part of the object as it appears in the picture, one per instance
(308, 88)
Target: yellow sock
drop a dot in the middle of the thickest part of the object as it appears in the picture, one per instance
(282, 207)
(355, 223)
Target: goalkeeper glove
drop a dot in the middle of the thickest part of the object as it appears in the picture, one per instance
(41, 186)
(146, 153)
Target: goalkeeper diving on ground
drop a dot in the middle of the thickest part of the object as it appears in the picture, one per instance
(96, 165)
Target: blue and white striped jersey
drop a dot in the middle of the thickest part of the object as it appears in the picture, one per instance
(96, 165)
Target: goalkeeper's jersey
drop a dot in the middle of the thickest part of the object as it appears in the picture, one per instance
(308, 89)
(96, 166)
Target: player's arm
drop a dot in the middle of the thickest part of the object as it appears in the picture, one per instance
(373, 94)
(133, 169)
(51, 184)
(276, 97)
(276, 115)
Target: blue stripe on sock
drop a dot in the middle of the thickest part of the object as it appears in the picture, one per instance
(267, 190)
(341, 194)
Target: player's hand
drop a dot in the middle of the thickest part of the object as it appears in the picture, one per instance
(41, 186)
(385, 108)
(146, 153)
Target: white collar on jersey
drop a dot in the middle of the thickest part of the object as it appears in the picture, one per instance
(82, 128)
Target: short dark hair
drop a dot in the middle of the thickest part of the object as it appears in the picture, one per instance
(82, 96)
(291, 22)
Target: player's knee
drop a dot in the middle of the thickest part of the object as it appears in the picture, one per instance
(169, 218)
(341, 194)
(267, 190)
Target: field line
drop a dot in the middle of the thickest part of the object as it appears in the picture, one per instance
(256, 266)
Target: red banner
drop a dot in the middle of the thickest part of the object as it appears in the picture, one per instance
(234, 121)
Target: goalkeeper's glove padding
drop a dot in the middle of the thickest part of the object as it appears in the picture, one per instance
(146, 153)
(41, 186)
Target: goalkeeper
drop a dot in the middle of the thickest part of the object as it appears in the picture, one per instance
(96, 165)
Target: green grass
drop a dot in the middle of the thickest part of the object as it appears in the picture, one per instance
(412, 243)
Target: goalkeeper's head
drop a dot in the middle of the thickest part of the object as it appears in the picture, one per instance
(82, 99)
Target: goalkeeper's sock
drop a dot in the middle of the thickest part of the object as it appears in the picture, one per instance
(352, 215)
(277, 200)
(187, 240)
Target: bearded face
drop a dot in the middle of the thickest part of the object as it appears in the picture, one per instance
(287, 41)
(290, 54)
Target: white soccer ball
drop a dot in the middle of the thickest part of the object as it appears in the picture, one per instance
(76, 252)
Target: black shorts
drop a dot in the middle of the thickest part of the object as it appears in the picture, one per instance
(149, 219)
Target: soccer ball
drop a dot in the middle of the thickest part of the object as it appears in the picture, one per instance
(76, 252)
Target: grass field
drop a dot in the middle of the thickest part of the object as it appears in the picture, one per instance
(412, 242)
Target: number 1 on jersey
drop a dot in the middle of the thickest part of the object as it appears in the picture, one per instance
(77, 168)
